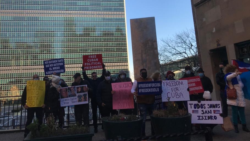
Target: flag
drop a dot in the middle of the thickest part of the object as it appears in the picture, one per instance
(242, 67)
(217, 112)
(195, 112)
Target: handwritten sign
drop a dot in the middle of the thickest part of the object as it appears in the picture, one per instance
(35, 93)
(194, 85)
(91, 62)
(149, 88)
(205, 112)
(122, 97)
(74, 95)
(55, 65)
(176, 90)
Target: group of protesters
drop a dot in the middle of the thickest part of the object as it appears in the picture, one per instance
(100, 92)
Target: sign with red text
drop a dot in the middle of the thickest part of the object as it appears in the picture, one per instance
(91, 62)
(122, 97)
(194, 85)
(175, 90)
(205, 112)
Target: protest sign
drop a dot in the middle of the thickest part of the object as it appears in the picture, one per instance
(194, 85)
(74, 95)
(176, 90)
(91, 62)
(35, 91)
(245, 78)
(149, 88)
(205, 112)
(55, 65)
(122, 97)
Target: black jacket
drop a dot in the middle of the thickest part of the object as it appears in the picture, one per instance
(220, 80)
(126, 79)
(94, 83)
(191, 75)
(207, 84)
(104, 93)
(52, 100)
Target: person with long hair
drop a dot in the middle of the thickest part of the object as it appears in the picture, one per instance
(233, 80)
(156, 76)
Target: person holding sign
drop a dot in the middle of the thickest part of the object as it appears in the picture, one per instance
(31, 110)
(81, 111)
(158, 99)
(233, 81)
(104, 96)
(145, 102)
(94, 82)
(207, 85)
(53, 101)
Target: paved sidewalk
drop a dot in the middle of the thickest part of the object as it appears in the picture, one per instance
(219, 134)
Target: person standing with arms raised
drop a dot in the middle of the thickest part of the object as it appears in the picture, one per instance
(94, 82)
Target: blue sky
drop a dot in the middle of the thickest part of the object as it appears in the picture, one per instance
(171, 17)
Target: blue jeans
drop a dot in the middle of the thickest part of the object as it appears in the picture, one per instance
(145, 109)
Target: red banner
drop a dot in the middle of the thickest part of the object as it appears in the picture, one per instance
(91, 62)
(122, 97)
(194, 85)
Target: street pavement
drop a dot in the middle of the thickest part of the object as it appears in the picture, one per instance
(219, 134)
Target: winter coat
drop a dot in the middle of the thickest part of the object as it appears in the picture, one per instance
(233, 80)
(94, 83)
(220, 80)
(207, 84)
(104, 94)
(52, 101)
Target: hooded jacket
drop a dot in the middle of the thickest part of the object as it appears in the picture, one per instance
(119, 79)
(104, 94)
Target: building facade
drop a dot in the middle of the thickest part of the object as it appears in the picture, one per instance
(144, 45)
(32, 31)
(223, 33)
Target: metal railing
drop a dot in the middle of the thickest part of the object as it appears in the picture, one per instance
(14, 116)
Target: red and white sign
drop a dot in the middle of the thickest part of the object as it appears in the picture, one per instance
(91, 62)
(194, 85)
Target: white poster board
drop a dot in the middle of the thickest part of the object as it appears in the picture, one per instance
(73, 96)
(176, 90)
(205, 112)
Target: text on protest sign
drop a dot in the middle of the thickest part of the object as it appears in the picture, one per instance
(176, 90)
(91, 62)
(194, 85)
(35, 93)
(205, 112)
(74, 95)
(55, 65)
(149, 88)
(122, 97)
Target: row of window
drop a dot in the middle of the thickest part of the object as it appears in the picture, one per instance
(76, 19)
(66, 34)
(61, 8)
(56, 23)
(64, 3)
(69, 55)
(30, 50)
(67, 61)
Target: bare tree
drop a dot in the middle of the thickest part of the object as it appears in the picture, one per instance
(181, 46)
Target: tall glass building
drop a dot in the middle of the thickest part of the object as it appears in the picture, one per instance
(32, 31)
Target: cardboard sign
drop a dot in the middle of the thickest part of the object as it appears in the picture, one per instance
(149, 88)
(176, 90)
(91, 62)
(73, 96)
(245, 78)
(194, 85)
(205, 112)
(35, 91)
(55, 65)
(122, 97)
